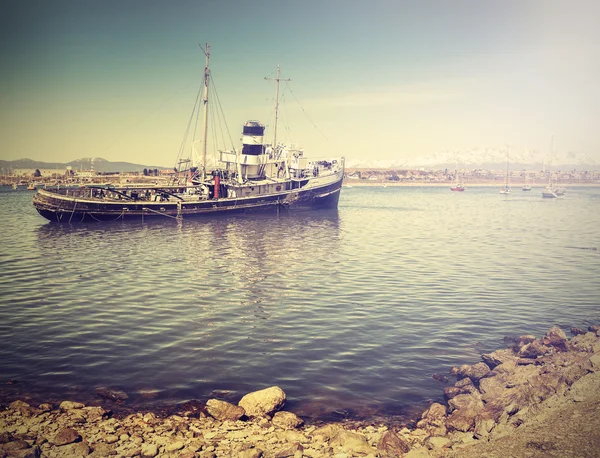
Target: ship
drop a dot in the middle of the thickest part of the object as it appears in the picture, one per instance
(258, 177)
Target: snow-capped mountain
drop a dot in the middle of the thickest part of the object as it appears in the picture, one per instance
(487, 158)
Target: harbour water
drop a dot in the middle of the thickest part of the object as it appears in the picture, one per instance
(350, 312)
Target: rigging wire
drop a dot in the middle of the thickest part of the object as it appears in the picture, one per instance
(187, 130)
(308, 117)
(223, 114)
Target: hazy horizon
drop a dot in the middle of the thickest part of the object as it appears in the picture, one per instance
(378, 80)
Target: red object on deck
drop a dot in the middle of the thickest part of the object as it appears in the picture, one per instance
(217, 185)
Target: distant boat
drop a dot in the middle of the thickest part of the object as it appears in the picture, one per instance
(506, 188)
(526, 186)
(550, 192)
(457, 185)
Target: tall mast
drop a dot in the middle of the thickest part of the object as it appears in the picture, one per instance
(205, 101)
(277, 80)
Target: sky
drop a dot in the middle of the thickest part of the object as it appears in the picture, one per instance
(382, 80)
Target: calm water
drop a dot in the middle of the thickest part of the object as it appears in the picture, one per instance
(350, 312)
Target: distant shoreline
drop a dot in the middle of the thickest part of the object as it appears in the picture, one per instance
(489, 184)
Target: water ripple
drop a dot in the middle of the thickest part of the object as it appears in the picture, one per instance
(347, 311)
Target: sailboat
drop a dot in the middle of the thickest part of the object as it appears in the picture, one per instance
(258, 177)
(550, 192)
(457, 185)
(506, 188)
(526, 186)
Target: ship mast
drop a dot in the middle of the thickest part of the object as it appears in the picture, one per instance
(277, 79)
(205, 102)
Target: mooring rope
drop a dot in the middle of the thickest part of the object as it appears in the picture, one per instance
(159, 213)
(73, 212)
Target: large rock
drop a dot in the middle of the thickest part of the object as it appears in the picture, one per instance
(66, 436)
(463, 386)
(498, 357)
(263, 402)
(70, 405)
(352, 443)
(222, 410)
(286, 420)
(474, 372)
(326, 433)
(392, 445)
(465, 408)
(149, 450)
(556, 338)
(533, 350)
(293, 449)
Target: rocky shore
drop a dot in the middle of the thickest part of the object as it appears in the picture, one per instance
(539, 398)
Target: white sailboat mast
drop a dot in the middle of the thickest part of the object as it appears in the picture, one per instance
(205, 102)
(277, 79)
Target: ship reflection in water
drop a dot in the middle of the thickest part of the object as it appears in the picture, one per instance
(349, 311)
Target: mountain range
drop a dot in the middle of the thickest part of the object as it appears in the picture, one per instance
(99, 165)
(486, 158)
(475, 158)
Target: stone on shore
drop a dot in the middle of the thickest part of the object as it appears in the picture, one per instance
(222, 410)
(392, 445)
(287, 420)
(66, 436)
(556, 338)
(263, 402)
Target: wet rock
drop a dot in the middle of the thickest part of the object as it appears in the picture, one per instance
(577, 331)
(435, 412)
(112, 394)
(463, 386)
(594, 328)
(70, 405)
(263, 402)
(287, 420)
(474, 372)
(22, 407)
(439, 377)
(391, 445)
(556, 338)
(533, 350)
(45, 407)
(524, 340)
(66, 436)
(222, 410)
(498, 357)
